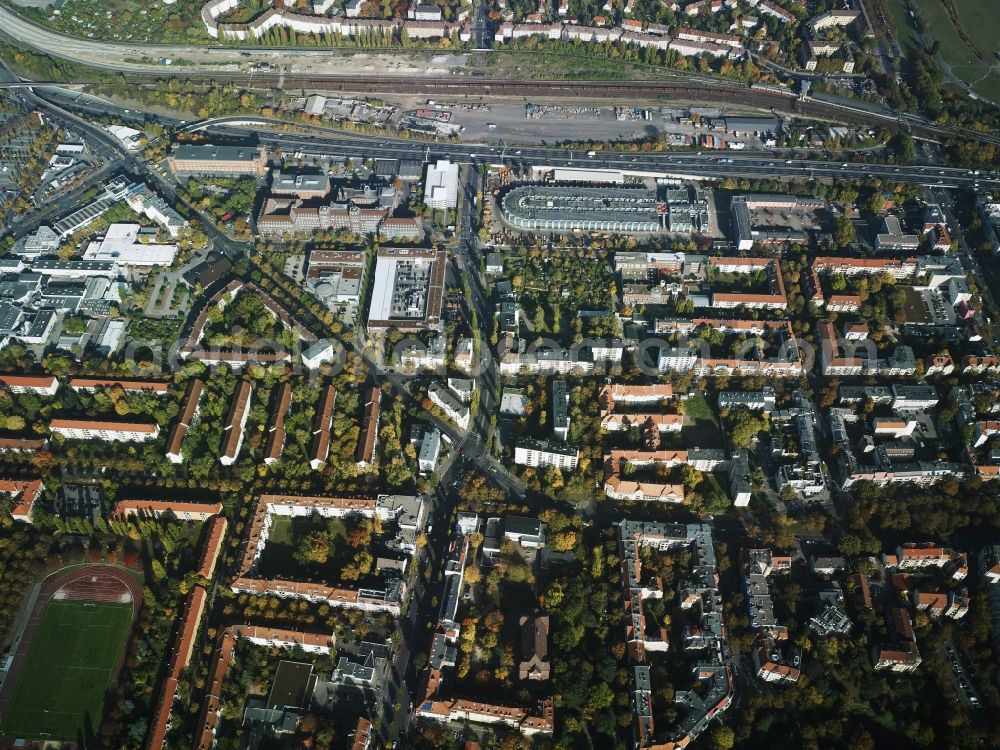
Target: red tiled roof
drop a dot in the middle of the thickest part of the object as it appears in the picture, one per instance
(179, 659)
(98, 424)
(276, 431)
(80, 384)
(160, 507)
(26, 492)
(33, 382)
(234, 430)
(213, 690)
(369, 429)
(21, 444)
(213, 544)
(362, 734)
(283, 636)
(176, 438)
(321, 425)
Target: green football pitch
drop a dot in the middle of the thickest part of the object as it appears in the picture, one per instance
(72, 661)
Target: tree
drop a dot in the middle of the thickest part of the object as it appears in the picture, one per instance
(902, 144)
(314, 549)
(843, 231)
(723, 738)
(850, 545)
(564, 541)
(744, 428)
(554, 478)
(158, 570)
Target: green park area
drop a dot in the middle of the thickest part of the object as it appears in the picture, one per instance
(72, 662)
(967, 33)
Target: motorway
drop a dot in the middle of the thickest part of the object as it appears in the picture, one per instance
(655, 164)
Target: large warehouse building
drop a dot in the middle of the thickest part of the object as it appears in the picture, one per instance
(408, 289)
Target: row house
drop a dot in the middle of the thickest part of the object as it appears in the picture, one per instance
(912, 556)
(769, 8)
(368, 441)
(180, 658)
(180, 510)
(175, 439)
(711, 37)
(542, 454)
(650, 492)
(239, 412)
(214, 536)
(454, 409)
(898, 268)
(95, 429)
(319, 451)
(40, 385)
(979, 365)
(275, 444)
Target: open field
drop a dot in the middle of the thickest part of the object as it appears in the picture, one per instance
(968, 41)
(72, 662)
(905, 33)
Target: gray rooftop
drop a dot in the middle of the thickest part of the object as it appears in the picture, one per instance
(210, 152)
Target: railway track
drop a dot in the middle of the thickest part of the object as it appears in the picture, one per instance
(718, 91)
(701, 90)
(488, 87)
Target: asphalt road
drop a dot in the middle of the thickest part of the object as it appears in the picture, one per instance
(117, 55)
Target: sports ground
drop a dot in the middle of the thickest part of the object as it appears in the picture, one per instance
(72, 661)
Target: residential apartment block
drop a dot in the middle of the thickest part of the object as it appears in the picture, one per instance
(541, 454)
(95, 429)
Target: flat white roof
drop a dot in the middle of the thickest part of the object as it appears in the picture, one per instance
(571, 174)
(400, 290)
(112, 335)
(441, 187)
(385, 278)
(513, 403)
(121, 244)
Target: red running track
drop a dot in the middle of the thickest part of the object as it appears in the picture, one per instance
(93, 583)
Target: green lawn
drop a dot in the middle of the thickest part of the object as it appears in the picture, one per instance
(71, 664)
(278, 558)
(701, 428)
(970, 45)
(904, 28)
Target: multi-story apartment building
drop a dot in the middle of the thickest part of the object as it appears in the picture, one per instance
(96, 429)
(540, 454)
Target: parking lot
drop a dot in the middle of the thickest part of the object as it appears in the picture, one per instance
(962, 676)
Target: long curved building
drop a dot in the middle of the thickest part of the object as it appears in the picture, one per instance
(567, 208)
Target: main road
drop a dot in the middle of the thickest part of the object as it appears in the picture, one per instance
(122, 56)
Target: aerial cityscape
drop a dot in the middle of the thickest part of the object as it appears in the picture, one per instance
(499, 374)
